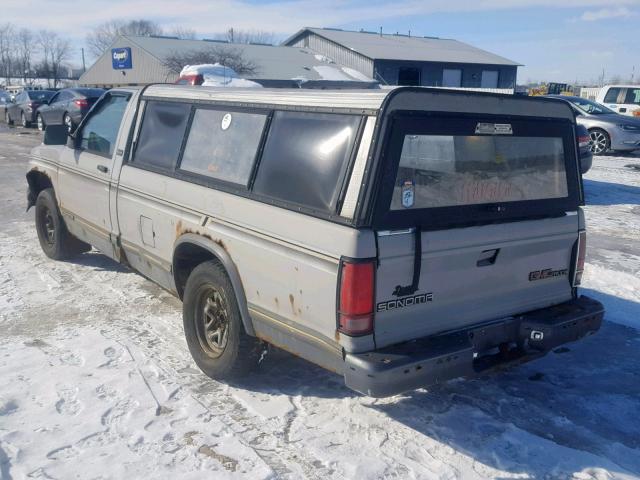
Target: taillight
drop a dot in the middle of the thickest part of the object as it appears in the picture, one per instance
(584, 140)
(636, 113)
(81, 103)
(580, 256)
(355, 305)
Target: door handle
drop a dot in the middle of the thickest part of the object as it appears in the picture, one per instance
(102, 168)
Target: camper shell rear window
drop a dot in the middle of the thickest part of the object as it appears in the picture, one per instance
(445, 170)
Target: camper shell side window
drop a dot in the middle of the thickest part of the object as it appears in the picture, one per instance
(293, 159)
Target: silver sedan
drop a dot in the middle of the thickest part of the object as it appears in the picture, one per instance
(608, 129)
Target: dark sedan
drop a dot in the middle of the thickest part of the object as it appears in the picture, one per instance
(67, 107)
(23, 108)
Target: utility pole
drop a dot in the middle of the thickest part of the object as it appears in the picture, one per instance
(84, 67)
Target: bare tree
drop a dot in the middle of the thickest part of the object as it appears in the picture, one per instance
(104, 34)
(228, 56)
(7, 41)
(247, 36)
(184, 33)
(55, 51)
(25, 47)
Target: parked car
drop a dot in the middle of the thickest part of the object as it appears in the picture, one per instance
(584, 148)
(5, 100)
(397, 237)
(67, 107)
(25, 105)
(608, 129)
(623, 99)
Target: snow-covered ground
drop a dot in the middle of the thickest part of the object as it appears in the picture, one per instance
(96, 380)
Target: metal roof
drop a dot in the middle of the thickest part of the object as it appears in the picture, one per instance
(274, 62)
(403, 47)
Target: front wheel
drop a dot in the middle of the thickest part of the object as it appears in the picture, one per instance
(55, 240)
(7, 118)
(600, 141)
(24, 121)
(40, 123)
(213, 325)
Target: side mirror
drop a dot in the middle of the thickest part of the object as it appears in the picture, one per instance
(55, 135)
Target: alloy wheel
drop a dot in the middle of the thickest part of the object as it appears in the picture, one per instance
(213, 328)
(68, 122)
(49, 226)
(598, 142)
(40, 123)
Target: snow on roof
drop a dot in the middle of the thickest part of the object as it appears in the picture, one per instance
(216, 75)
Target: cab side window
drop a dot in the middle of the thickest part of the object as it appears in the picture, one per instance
(100, 131)
(612, 95)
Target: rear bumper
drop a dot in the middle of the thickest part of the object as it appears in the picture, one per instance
(435, 359)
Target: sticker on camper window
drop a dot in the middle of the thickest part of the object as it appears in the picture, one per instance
(408, 194)
(226, 121)
(494, 129)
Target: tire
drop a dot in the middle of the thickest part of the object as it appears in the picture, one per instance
(55, 240)
(600, 141)
(66, 120)
(40, 123)
(216, 339)
(24, 121)
(7, 118)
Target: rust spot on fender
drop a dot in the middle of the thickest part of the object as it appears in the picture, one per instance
(183, 231)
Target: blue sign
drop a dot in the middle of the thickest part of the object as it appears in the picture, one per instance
(121, 58)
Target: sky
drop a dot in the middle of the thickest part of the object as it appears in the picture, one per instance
(555, 40)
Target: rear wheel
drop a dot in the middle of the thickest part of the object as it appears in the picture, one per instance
(23, 120)
(55, 240)
(213, 325)
(600, 141)
(40, 123)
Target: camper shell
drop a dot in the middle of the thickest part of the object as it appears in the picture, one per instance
(396, 237)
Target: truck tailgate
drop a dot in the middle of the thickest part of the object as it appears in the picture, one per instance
(471, 275)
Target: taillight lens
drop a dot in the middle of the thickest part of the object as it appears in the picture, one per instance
(584, 141)
(636, 113)
(81, 103)
(355, 312)
(580, 256)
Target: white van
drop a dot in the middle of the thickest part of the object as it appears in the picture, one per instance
(624, 99)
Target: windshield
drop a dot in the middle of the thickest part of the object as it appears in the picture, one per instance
(590, 107)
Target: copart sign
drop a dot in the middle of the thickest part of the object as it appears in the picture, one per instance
(121, 58)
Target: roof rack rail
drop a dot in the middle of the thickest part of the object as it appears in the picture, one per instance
(214, 40)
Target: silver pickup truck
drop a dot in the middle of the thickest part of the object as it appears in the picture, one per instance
(396, 237)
